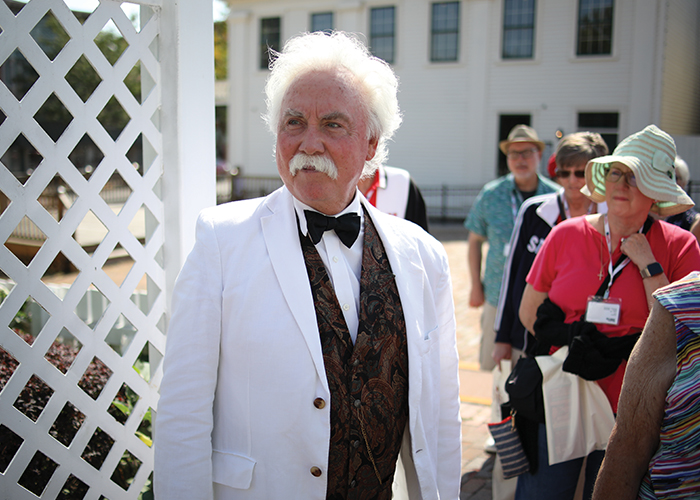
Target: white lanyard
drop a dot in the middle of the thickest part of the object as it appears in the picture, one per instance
(515, 202)
(618, 269)
(567, 212)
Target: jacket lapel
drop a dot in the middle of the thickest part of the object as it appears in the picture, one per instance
(282, 241)
(410, 281)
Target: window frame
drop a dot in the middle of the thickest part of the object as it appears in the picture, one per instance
(264, 45)
(508, 29)
(373, 37)
(437, 34)
(586, 122)
(313, 29)
(601, 39)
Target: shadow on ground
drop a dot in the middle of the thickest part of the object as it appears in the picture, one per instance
(476, 484)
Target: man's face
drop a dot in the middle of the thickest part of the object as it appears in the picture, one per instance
(523, 158)
(322, 116)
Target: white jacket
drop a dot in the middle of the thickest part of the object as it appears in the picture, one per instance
(243, 363)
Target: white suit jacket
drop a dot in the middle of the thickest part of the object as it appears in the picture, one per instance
(243, 364)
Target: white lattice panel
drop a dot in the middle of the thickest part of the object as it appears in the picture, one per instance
(115, 325)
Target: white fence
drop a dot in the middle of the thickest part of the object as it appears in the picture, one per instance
(80, 364)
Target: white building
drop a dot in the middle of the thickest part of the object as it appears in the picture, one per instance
(469, 70)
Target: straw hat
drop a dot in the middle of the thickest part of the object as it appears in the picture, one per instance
(650, 155)
(521, 133)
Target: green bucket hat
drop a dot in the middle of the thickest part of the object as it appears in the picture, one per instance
(650, 155)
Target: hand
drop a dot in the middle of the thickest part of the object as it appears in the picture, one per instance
(501, 351)
(476, 296)
(637, 248)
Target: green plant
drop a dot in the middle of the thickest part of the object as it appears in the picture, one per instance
(21, 322)
(31, 403)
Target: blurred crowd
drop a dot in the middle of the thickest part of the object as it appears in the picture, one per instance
(575, 264)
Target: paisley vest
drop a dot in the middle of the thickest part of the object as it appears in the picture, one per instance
(368, 380)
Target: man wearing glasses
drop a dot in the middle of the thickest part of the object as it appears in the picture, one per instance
(491, 219)
(535, 220)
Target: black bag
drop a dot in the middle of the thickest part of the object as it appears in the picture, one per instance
(524, 388)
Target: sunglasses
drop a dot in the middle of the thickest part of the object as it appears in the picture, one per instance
(564, 174)
(615, 174)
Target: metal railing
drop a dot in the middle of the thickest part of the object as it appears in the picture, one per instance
(448, 203)
(443, 202)
(235, 187)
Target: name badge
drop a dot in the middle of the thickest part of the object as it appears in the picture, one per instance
(603, 311)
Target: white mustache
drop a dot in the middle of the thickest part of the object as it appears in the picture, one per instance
(318, 162)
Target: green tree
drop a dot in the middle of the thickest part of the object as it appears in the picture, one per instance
(220, 50)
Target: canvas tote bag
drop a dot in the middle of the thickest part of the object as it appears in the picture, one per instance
(578, 416)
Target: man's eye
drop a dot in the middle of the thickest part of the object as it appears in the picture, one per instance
(294, 124)
(333, 125)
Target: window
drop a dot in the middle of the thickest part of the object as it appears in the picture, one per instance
(606, 124)
(518, 29)
(595, 20)
(382, 33)
(269, 39)
(445, 32)
(322, 22)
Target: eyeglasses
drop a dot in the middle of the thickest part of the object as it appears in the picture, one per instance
(564, 174)
(526, 155)
(615, 174)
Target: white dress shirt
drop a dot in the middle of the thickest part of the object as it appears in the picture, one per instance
(343, 264)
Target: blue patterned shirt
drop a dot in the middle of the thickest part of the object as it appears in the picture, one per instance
(493, 216)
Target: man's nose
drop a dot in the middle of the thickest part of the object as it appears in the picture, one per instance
(312, 142)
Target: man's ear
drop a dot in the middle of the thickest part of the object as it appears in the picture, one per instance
(372, 148)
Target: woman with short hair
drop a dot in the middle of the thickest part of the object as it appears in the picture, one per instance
(536, 218)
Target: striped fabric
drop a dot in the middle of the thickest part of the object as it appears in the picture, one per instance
(674, 470)
(510, 450)
(650, 154)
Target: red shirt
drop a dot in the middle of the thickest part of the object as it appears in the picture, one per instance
(567, 268)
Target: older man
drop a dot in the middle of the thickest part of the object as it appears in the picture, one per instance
(491, 219)
(311, 356)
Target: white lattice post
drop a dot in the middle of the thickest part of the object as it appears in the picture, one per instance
(91, 105)
(189, 148)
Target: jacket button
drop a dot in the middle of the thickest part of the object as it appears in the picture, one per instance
(319, 403)
(357, 403)
(315, 471)
(356, 362)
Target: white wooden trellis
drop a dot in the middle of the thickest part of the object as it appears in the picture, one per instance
(172, 188)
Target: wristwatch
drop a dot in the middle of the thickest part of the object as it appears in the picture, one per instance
(652, 270)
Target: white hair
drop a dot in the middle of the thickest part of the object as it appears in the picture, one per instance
(376, 80)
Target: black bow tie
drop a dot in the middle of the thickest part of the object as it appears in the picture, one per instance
(347, 226)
